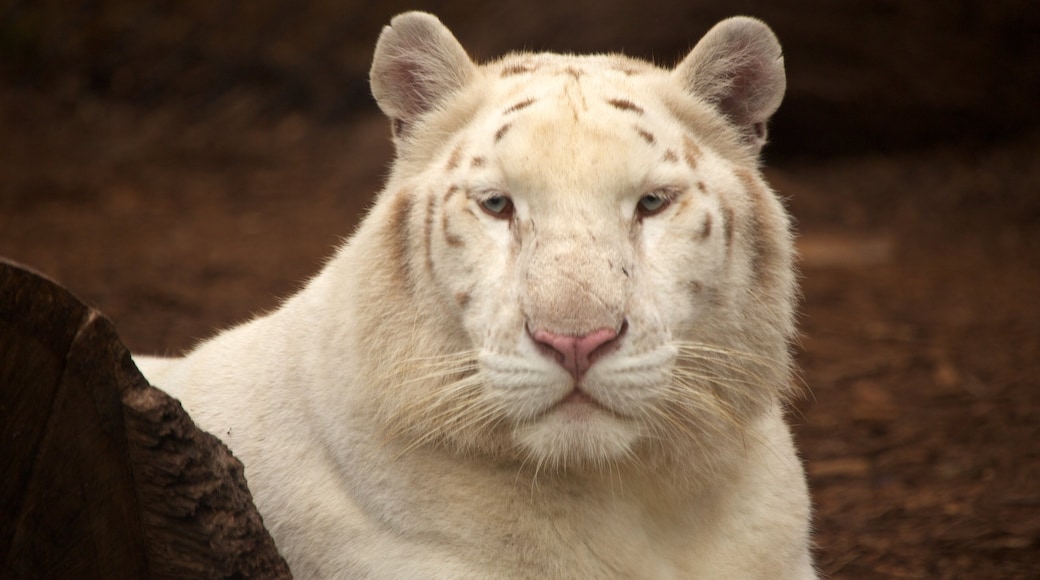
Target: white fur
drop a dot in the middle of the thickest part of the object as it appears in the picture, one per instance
(397, 419)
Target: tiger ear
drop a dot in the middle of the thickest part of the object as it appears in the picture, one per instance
(416, 66)
(739, 68)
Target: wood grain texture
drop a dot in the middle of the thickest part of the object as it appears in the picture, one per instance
(105, 476)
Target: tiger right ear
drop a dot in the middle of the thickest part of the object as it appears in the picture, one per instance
(416, 66)
(738, 67)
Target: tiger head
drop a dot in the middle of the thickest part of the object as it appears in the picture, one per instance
(587, 263)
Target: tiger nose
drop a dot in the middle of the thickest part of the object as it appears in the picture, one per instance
(576, 353)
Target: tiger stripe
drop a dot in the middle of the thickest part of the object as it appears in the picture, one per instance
(518, 106)
(502, 131)
(517, 69)
(452, 192)
(705, 232)
(727, 227)
(450, 238)
(646, 135)
(762, 231)
(454, 158)
(626, 105)
(626, 70)
(691, 152)
(397, 238)
(431, 206)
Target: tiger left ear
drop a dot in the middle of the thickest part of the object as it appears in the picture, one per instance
(417, 64)
(738, 67)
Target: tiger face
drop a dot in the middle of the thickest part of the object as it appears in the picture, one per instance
(593, 242)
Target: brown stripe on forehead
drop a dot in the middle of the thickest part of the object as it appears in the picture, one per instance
(454, 158)
(625, 105)
(573, 72)
(691, 152)
(646, 135)
(398, 239)
(518, 106)
(670, 156)
(477, 161)
(454, 189)
(765, 232)
(517, 69)
(502, 131)
(627, 66)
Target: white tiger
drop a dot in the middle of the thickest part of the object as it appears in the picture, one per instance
(557, 346)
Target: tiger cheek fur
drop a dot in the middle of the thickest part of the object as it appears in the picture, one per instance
(558, 344)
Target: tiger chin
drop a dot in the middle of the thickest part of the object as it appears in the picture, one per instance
(558, 345)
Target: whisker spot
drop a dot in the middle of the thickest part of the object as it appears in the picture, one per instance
(462, 299)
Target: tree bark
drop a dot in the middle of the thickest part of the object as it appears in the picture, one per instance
(104, 476)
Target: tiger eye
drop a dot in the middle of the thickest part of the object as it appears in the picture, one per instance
(498, 206)
(652, 203)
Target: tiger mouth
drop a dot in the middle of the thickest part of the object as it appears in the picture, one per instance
(579, 403)
(578, 396)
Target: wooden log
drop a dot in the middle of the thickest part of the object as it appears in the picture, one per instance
(104, 476)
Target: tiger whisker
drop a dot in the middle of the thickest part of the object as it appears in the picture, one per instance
(698, 347)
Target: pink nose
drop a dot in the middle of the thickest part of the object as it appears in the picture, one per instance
(576, 353)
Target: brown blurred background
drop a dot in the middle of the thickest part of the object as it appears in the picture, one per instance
(183, 165)
(863, 74)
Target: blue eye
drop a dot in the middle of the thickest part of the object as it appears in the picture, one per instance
(498, 206)
(652, 203)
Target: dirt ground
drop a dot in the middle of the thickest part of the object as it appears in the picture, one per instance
(921, 276)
